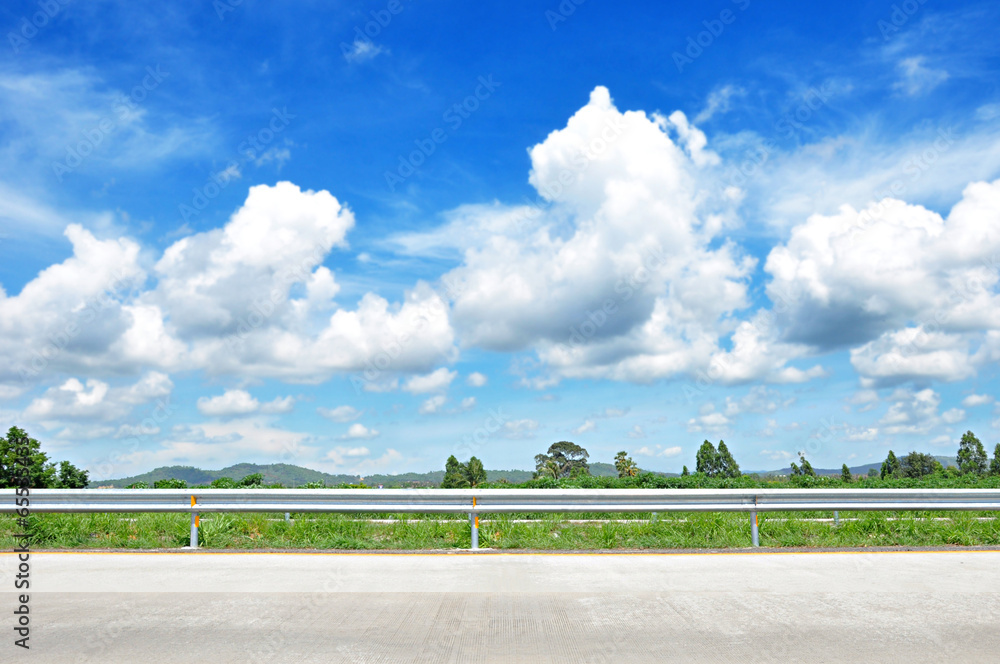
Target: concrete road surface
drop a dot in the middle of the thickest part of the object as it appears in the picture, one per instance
(339, 607)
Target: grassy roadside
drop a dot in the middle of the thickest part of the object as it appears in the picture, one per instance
(544, 532)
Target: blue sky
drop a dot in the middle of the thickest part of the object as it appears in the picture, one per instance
(361, 237)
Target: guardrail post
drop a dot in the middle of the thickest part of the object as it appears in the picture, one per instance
(195, 522)
(474, 522)
(836, 518)
(754, 534)
(288, 517)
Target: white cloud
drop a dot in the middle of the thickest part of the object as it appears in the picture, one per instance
(628, 229)
(432, 405)
(708, 421)
(759, 399)
(637, 432)
(518, 429)
(921, 312)
(916, 77)
(863, 434)
(436, 381)
(476, 379)
(953, 416)
(240, 402)
(777, 455)
(912, 412)
(339, 455)
(358, 431)
(362, 50)
(340, 413)
(96, 400)
(658, 451)
(588, 425)
(468, 403)
(974, 400)
(718, 101)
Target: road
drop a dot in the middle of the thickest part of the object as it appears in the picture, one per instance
(383, 607)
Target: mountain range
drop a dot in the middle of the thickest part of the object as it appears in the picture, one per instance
(292, 476)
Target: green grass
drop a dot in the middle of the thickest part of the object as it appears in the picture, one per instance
(543, 532)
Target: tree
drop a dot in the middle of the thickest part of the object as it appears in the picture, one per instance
(170, 484)
(253, 479)
(685, 472)
(71, 477)
(727, 466)
(454, 474)
(224, 483)
(475, 474)
(995, 464)
(971, 455)
(890, 467)
(872, 473)
(917, 465)
(807, 469)
(570, 458)
(14, 449)
(707, 459)
(845, 474)
(625, 466)
(795, 469)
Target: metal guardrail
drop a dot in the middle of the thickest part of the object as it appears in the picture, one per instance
(477, 501)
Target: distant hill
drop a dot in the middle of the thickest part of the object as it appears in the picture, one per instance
(293, 476)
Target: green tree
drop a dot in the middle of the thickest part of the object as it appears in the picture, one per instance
(917, 465)
(16, 447)
(685, 472)
(171, 483)
(707, 459)
(971, 455)
(845, 474)
(625, 466)
(570, 458)
(253, 479)
(454, 474)
(475, 474)
(995, 464)
(890, 467)
(807, 469)
(71, 477)
(224, 483)
(727, 466)
(872, 473)
(796, 471)
(138, 485)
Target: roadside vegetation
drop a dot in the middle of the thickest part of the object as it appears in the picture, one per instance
(563, 465)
